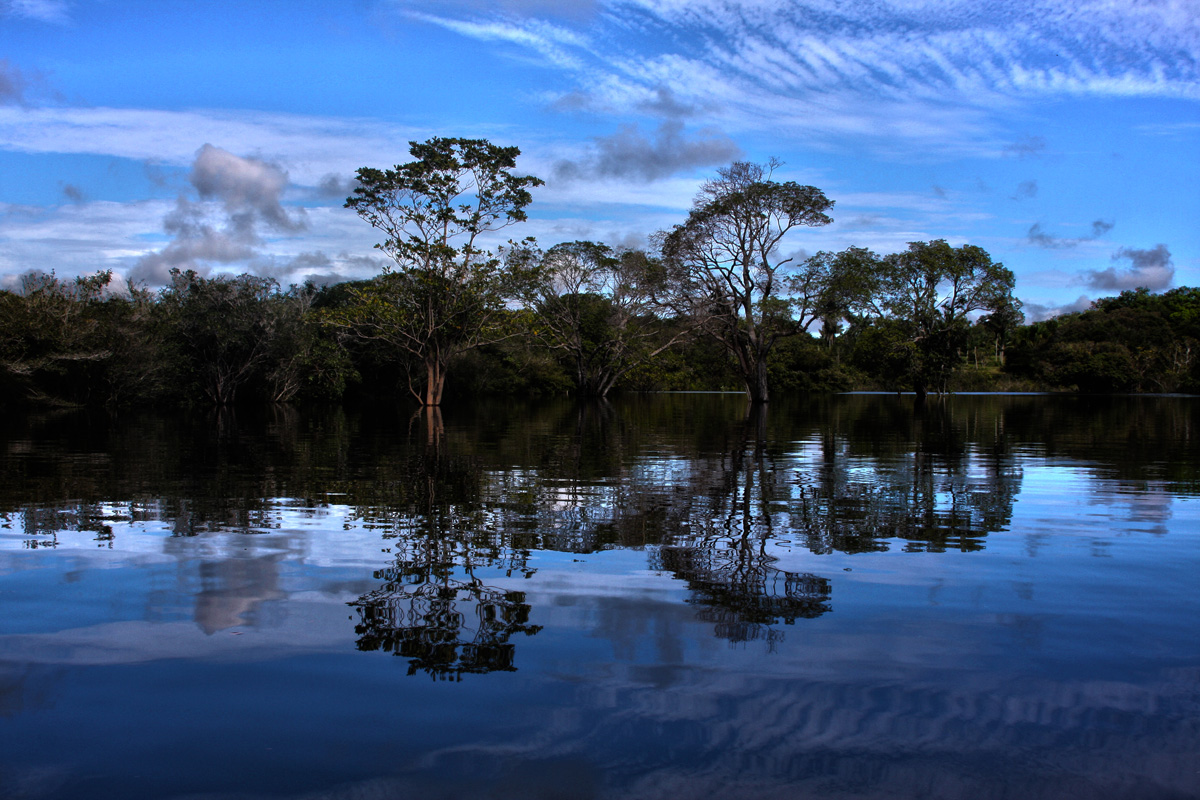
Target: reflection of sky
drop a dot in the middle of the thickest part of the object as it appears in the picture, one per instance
(1062, 656)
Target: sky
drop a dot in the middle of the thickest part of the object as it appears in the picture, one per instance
(1061, 137)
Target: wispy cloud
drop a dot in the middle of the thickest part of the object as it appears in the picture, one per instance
(923, 71)
(556, 44)
(310, 147)
(629, 153)
(12, 83)
(53, 11)
(1026, 190)
(1041, 238)
(1026, 147)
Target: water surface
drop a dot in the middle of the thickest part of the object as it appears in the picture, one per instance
(658, 597)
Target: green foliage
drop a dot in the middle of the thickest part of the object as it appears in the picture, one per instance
(886, 352)
(57, 339)
(1136, 342)
(802, 365)
(595, 309)
(721, 309)
(217, 332)
(923, 298)
(447, 292)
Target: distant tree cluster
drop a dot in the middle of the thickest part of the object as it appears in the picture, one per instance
(714, 304)
(1135, 342)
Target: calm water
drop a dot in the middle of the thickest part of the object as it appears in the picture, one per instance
(991, 597)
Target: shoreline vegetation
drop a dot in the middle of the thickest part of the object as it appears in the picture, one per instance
(710, 305)
(226, 340)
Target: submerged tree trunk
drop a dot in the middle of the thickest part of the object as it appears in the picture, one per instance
(755, 374)
(435, 379)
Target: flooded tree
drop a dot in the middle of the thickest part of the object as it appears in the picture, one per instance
(447, 293)
(726, 273)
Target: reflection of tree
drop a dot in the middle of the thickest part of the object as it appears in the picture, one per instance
(731, 507)
(739, 589)
(44, 524)
(712, 499)
(432, 608)
(930, 487)
(418, 615)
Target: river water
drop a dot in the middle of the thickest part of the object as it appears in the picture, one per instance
(657, 597)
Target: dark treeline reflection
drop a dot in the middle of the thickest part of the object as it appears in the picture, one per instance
(709, 490)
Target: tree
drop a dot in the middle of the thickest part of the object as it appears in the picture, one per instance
(724, 270)
(220, 330)
(595, 306)
(304, 359)
(930, 291)
(53, 340)
(447, 293)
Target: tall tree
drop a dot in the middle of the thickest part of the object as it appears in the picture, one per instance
(595, 306)
(447, 293)
(724, 267)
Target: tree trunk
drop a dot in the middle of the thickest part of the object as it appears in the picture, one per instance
(435, 379)
(756, 381)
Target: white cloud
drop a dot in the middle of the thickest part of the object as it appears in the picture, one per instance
(552, 42)
(1037, 312)
(248, 191)
(629, 153)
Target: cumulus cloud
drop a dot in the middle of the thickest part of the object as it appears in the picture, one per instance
(249, 188)
(630, 154)
(1041, 238)
(1151, 269)
(664, 103)
(239, 198)
(316, 267)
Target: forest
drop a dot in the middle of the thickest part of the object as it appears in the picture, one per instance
(710, 305)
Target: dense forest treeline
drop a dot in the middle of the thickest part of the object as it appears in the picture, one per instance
(226, 339)
(714, 305)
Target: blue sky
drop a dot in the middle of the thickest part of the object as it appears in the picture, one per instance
(1062, 137)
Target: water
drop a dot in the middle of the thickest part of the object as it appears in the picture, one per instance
(655, 598)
